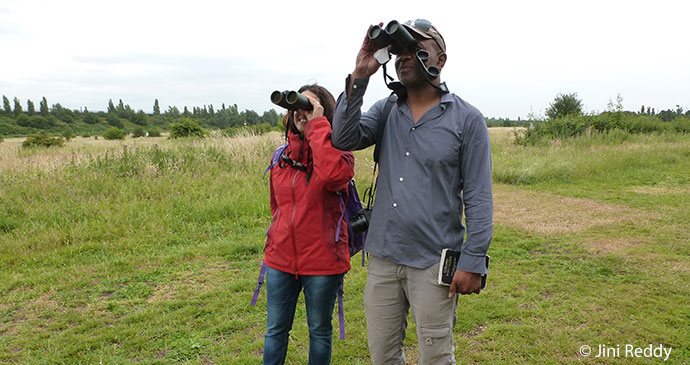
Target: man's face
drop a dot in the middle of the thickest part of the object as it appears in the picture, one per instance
(408, 69)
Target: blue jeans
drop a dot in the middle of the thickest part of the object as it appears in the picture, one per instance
(282, 291)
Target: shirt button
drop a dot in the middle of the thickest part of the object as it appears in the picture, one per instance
(413, 128)
(407, 153)
(395, 205)
(401, 179)
(354, 86)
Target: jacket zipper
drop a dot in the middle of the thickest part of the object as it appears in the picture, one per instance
(292, 224)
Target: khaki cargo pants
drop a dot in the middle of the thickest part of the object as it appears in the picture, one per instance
(392, 290)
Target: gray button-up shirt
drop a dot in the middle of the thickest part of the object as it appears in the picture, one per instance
(429, 171)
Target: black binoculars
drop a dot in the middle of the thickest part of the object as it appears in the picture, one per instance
(291, 100)
(394, 35)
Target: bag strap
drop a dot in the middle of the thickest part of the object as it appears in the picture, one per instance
(259, 284)
(275, 159)
(370, 191)
(392, 99)
(342, 215)
(341, 311)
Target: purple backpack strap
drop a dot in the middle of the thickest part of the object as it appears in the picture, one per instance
(259, 283)
(342, 215)
(341, 311)
(276, 158)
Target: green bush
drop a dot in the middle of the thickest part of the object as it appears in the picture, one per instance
(138, 132)
(23, 120)
(186, 128)
(154, 132)
(611, 125)
(68, 134)
(39, 122)
(681, 124)
(114, 133)
(42, 140)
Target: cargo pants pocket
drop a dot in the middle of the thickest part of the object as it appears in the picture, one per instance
(436, 345)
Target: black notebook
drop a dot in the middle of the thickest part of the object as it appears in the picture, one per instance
(449, 262)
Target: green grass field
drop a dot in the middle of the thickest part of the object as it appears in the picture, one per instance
(148, 251)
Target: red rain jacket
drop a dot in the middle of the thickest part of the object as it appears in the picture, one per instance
(301, 238)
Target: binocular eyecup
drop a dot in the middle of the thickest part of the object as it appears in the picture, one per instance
(422, 57)
(291, 100)
(394, 35)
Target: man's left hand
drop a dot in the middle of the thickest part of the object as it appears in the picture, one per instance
(465, 283)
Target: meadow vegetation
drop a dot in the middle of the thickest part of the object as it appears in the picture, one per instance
(148, 251)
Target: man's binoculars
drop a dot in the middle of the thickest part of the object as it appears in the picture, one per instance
(291, 100)
(394, 35)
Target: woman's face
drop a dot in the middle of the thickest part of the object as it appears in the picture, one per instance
(301, 117)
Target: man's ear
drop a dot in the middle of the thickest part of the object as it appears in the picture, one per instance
(442, 60)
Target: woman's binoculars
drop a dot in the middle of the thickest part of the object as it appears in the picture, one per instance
(291, 100)
(394, 35)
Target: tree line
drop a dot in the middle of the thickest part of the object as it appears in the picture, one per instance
(55, 119)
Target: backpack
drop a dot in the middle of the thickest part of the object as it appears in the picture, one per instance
(355, 242)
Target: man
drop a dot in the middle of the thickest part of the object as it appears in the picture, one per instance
(435, 160)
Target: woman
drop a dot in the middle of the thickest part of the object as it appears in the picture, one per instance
(302, 250)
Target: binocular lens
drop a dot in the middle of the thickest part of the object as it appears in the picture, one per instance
(298, 101)
(392, 27)
(291, 97)
(379, 36)
(276, 96)
(402, 39)
(375, 32)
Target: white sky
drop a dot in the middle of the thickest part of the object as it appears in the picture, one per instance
(507, 58)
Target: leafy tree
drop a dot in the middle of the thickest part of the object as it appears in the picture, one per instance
(140, 118)
(617, 107)
(111, 106)
(667, 115)
(31, 107)
(156, 108)
(120, 108)
(173, 112)
(43, 107)
(564, 104)
(90, 118)
(186, 113)
(114, 120)
(24, 121)
(251, 117)
(17, 107)
(6, 105)
(271, 117)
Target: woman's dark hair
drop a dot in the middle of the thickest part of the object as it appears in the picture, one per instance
(325, 98)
